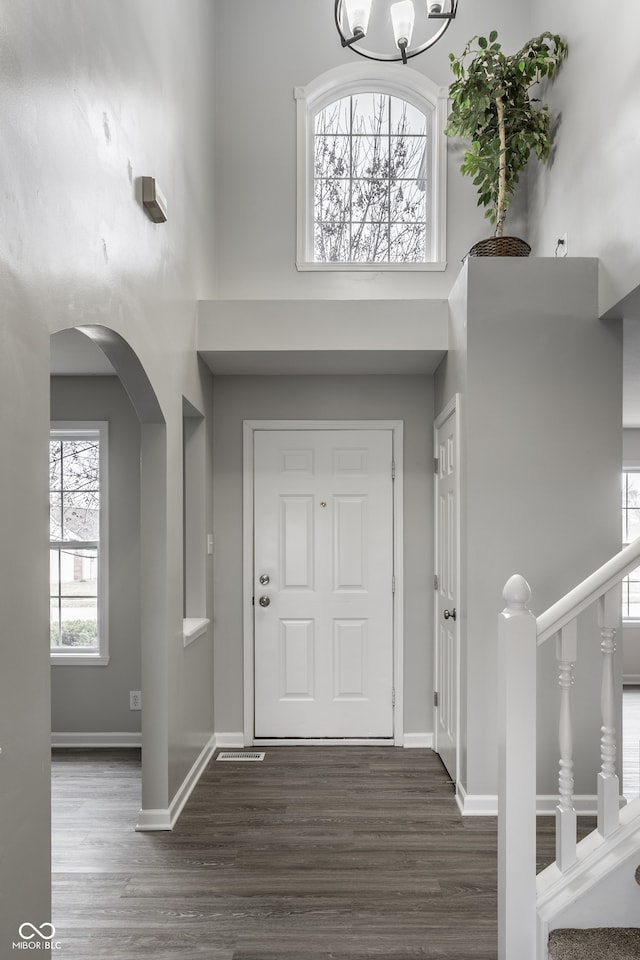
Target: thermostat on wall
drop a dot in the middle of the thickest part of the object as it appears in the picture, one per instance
(153, 200)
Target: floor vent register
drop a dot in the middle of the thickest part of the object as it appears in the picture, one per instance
(238, 756)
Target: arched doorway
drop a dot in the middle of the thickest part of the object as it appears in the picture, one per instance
(91, 351)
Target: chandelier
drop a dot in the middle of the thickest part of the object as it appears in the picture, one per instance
(381, 30)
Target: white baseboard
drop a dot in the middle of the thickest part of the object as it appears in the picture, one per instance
(476, 804)
(153, 820)
(486, 805)
(96, 740)
(234, 741)
(585, 805)
(230, 741)
(166, 819)
(410, 740)
(322, 742)
(418, 741)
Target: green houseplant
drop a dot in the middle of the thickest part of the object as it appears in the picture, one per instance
(492, 105)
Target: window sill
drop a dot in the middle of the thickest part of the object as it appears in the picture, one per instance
(310, 265)
(194, 627)
(79, 660)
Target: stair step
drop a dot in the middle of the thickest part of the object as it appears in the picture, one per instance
(597, 943)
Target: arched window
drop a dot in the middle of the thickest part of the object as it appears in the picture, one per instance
(371, 170)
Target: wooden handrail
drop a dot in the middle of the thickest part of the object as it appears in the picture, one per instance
(582, 596)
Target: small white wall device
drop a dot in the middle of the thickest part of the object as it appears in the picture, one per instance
(153, 200)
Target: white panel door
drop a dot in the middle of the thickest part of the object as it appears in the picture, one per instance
(323, 522)
(447, 600)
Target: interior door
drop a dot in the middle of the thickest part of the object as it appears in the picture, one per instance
(447, 587)
(323, 568)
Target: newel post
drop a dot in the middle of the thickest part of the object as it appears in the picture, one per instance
(517, 655)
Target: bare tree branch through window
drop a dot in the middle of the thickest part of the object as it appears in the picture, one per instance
(74, 493)
(370, 181)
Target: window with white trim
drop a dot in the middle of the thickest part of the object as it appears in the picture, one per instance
(371, 171)
(630, 532)
(77, 547)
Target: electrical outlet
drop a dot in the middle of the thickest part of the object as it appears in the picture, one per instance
(135, 700)
(562, 245)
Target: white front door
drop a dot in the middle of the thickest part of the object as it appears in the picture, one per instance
(323, 568)
(447, 598)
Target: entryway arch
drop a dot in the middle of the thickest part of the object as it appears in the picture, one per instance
(128, 367)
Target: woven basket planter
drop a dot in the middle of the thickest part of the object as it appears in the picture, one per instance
(500, 247)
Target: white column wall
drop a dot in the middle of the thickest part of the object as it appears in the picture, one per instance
(542, 451)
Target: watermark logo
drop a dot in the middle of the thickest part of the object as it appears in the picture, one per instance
(36, 938)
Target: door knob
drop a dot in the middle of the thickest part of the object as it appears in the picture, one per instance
(264, 601)
(264, 579)
(450, 614)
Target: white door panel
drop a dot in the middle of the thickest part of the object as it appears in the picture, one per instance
(323, 504)
(447, 599)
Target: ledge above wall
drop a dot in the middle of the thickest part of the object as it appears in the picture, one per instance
(351, 337)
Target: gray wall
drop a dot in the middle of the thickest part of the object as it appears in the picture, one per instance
(631, 631)
(591, 190)
(95, 95)
(631, 447)
(288, 43)
(541, 453)
(319, 397)
(88, 699)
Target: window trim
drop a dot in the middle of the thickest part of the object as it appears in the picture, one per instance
(395, 80)
(75, 429)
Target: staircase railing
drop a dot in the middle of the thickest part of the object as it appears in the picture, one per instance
(519, 635)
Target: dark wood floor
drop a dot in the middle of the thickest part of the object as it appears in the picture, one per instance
(316, 853)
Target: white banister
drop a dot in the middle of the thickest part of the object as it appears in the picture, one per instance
(519, 635)
(566, 820)
(517, 654)
(608, 785)
(607, 576)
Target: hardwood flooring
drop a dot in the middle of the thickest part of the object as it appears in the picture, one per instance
(315, 853)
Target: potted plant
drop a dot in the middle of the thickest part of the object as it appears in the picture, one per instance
(492, 105)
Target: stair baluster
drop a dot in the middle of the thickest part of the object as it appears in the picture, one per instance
(566, 820)
(609, 607)
(517, 936)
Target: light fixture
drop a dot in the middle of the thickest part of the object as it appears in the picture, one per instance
(153, 200)
(384, 30)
